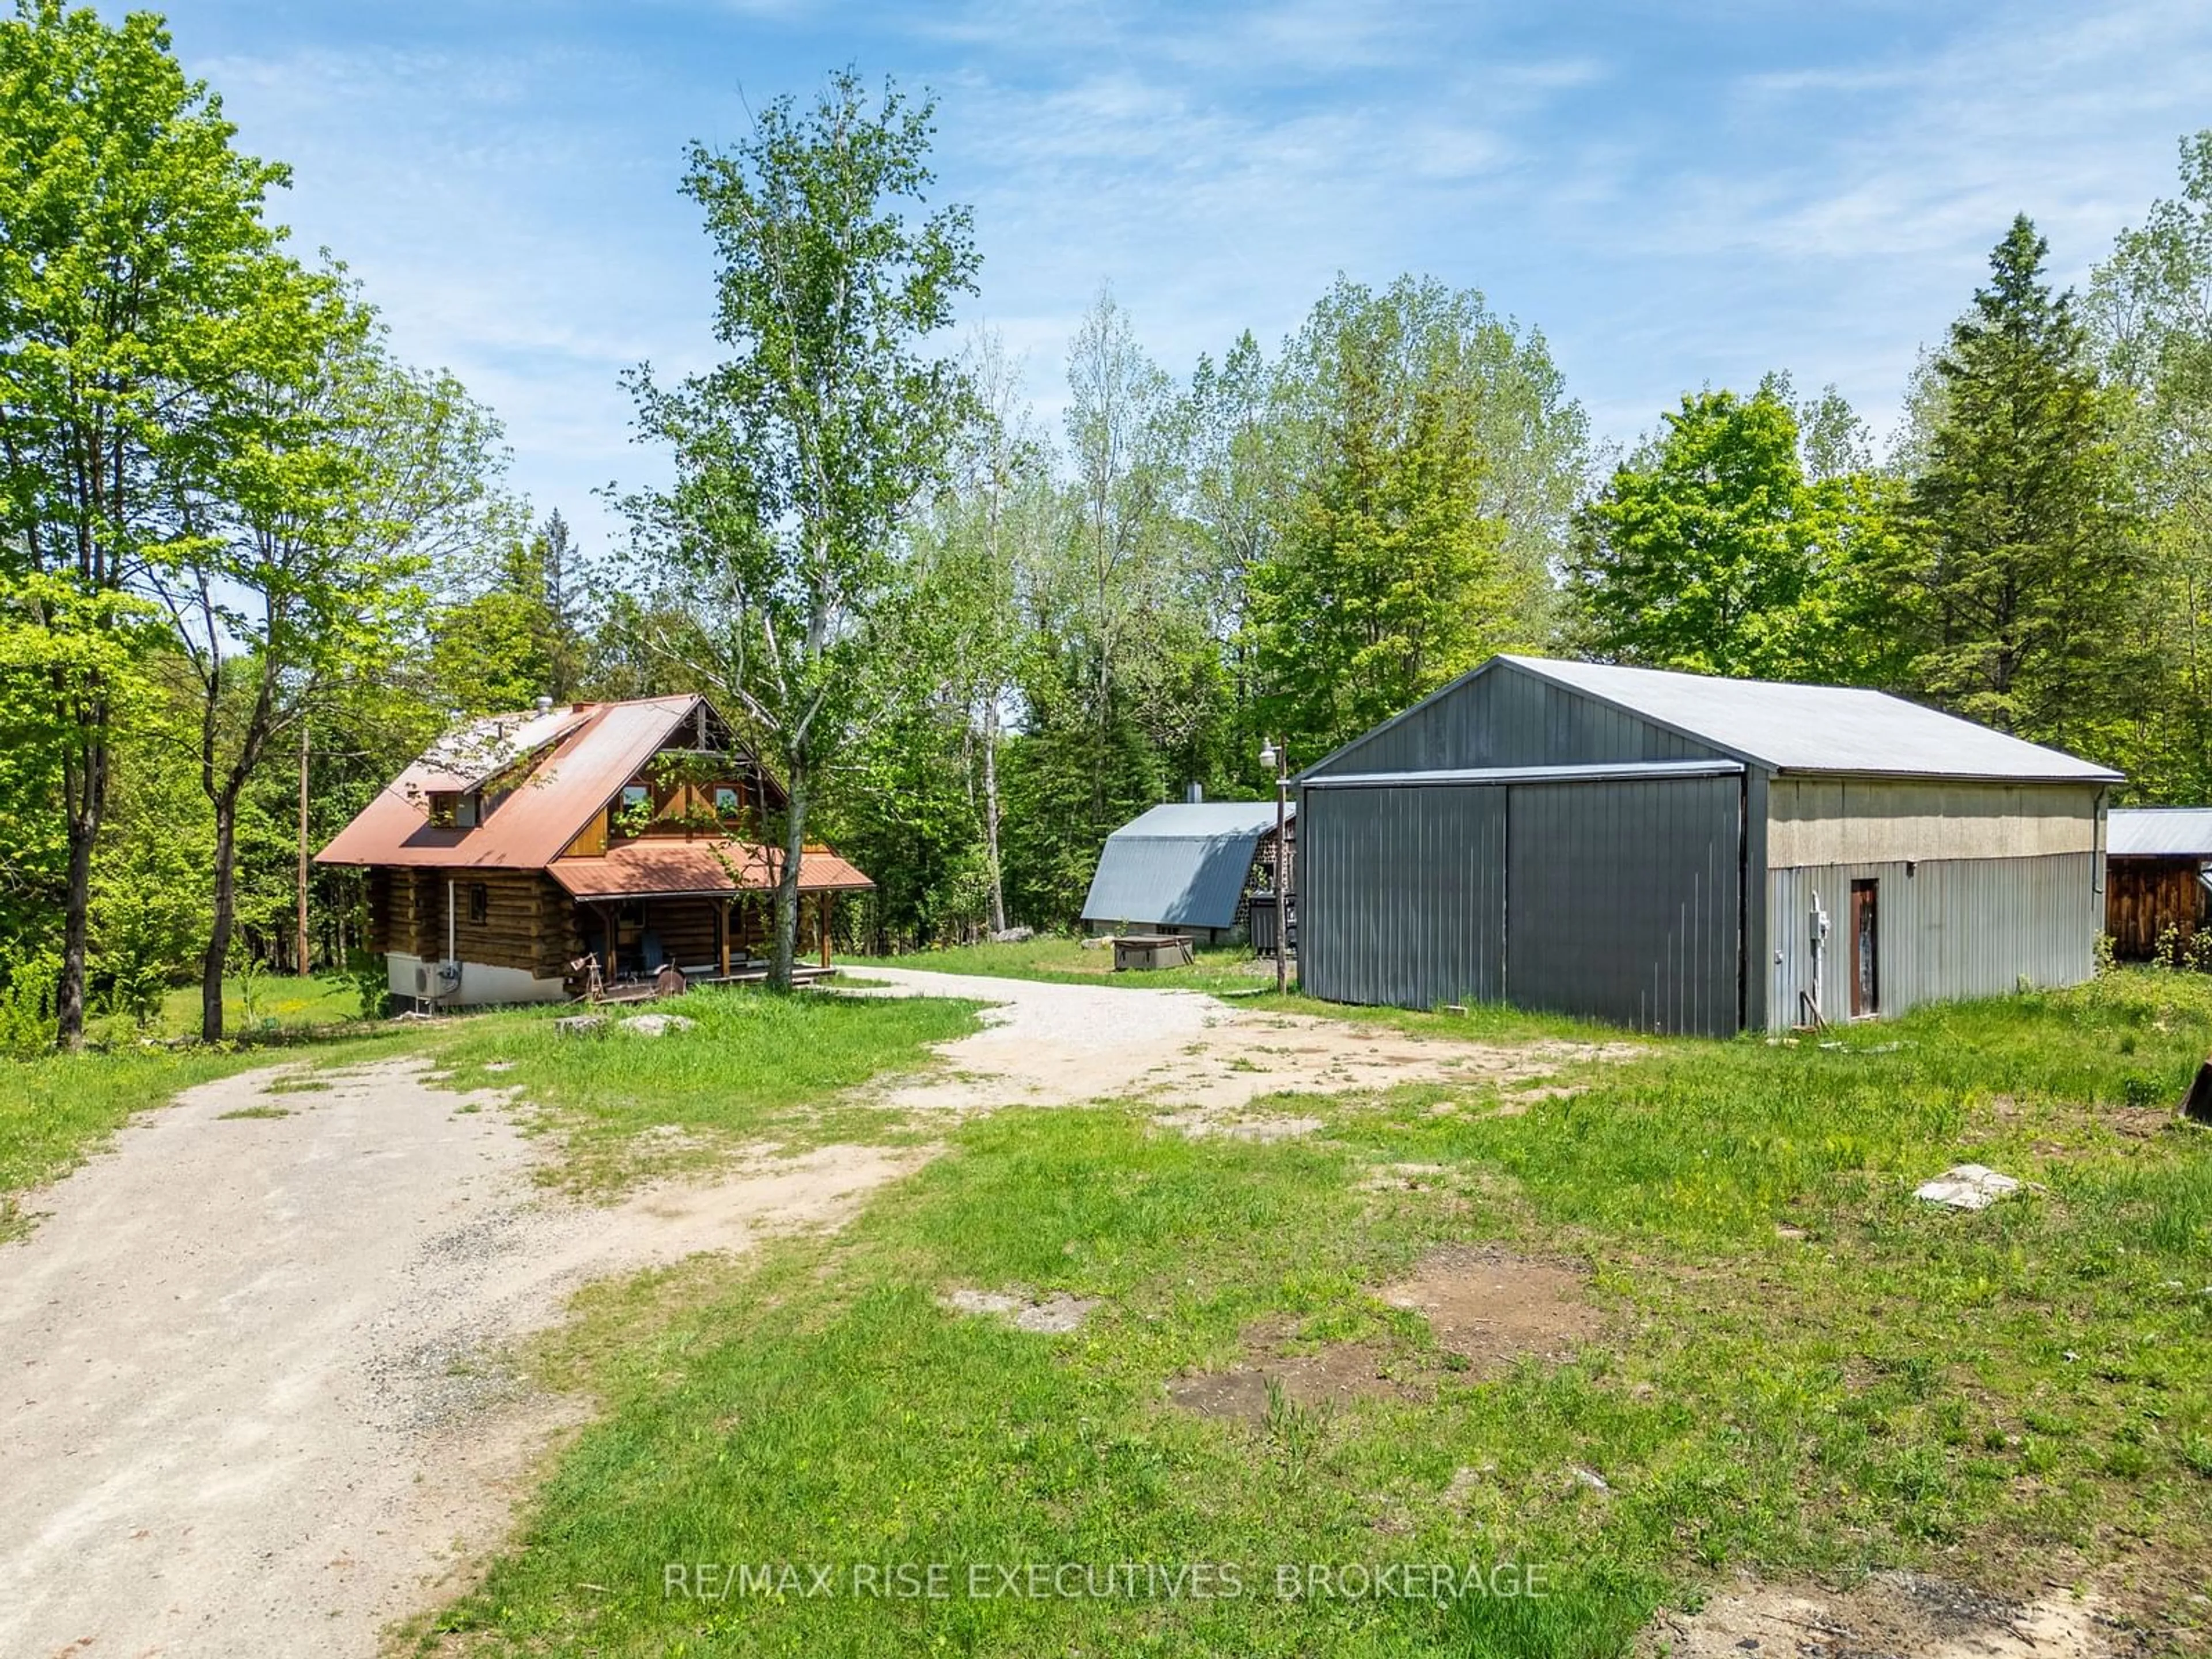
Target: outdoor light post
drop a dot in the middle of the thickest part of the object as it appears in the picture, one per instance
(1276, 758)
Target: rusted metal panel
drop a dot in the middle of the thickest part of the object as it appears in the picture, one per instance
(531, 824)
(1946, 929)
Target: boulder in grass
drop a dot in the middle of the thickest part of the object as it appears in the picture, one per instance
(1013, 936)
(653, 1026)
(581, 1026)
(1967, 1187)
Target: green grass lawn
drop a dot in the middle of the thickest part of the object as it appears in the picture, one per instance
(1799, 1369)
(758, 1067)
(272, 1004)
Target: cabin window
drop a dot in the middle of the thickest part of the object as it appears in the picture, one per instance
(466, 810)
(441, 805)
(479, 901)
(726, 801)
(635, 795)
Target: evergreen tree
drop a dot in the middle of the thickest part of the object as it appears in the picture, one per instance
(2022, 537)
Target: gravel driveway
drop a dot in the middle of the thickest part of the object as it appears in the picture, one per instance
(254, 1402)
(1201, 1059)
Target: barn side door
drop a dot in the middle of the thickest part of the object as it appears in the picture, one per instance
(1866, 951)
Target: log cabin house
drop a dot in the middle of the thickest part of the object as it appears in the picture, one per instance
(637, 833)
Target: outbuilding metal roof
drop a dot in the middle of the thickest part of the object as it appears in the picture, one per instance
(1184, 863)
(1817, 728)
(2153, 832)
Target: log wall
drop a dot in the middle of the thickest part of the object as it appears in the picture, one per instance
(528, 922)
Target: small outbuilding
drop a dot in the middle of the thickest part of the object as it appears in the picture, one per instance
(2155, 883)
(1678, 853)
(1188, 867)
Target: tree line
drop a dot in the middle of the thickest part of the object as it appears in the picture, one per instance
(250, 563)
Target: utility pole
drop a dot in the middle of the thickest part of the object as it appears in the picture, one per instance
(300, 961)
(1276, 758)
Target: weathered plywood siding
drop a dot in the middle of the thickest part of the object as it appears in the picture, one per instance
(1401, 895)
(1828, 820)
(1623, 902)
(1507, 717)
(1950, 928)
(2144, 897)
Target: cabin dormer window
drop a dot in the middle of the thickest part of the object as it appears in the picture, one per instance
(452, 809)
(635, 795)
(727, 802)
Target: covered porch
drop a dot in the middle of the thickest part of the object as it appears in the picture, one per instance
(704, 906)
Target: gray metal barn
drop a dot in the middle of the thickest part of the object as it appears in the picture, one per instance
(1650, 848)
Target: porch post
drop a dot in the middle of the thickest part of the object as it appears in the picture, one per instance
(725, 938)
(822, 921)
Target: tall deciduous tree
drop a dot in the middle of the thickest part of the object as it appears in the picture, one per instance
(799, 457)
(1698, 553)
(2152, 305)
(302, 575)
(2026, 548)
(131, 241)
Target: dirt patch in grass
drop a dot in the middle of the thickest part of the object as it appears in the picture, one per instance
(1892, 1615)
(1050, 1316)
(1239, 1126)
(252, 1112)
(1335, 1375)
(1491, 1307)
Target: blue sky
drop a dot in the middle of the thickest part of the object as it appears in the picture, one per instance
(1675, 193)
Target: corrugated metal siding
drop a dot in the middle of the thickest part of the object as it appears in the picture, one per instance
(1401, 895)
(1955, 927)
(1619, 900)
(1191, 881)
(1623, 902)
(1507, 716)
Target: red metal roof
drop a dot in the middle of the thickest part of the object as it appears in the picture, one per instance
(666, 866)
(529, 827)
(602, 747)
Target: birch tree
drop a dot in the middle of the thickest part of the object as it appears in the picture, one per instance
(799, 456)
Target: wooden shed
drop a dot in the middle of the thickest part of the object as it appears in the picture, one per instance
(2156, 858)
